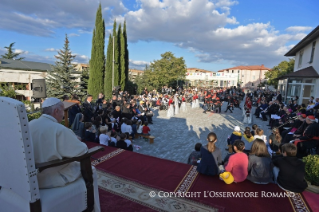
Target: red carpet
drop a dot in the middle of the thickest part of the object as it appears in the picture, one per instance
(171, 176)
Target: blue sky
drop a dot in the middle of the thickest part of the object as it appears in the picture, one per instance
(210, 35)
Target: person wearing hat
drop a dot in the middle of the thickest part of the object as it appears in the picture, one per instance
(53, 141)
(234, 136)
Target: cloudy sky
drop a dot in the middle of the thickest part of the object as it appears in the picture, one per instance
(209, 34)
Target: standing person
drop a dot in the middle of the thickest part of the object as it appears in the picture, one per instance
(237, 164)
(53, 141)
(176, 100)
(75, 109)
(170, 111)
(183, 106)
(260, 165)
(78, 126)
(88, 109)
(211, 157)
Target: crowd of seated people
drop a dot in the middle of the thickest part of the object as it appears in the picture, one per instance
(258, 165)
(113, 122)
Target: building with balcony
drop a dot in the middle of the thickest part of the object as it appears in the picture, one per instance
(304, 81)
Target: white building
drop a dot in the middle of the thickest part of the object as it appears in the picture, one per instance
(248, 76)
(304, 81)
(19, 75)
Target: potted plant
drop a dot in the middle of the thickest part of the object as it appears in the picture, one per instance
(312, 172)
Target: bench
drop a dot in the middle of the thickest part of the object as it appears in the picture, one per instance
(145, 136)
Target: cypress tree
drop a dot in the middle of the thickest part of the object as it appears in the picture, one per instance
(60, 81)
(122, 58)
(95, 84)
(116, 57)
(108, 69)
(126, 52)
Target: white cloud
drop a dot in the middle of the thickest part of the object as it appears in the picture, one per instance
(299, 28)
(73, 35)
(41, 18)
(207, 29)
(81, 58)
(51, 50)
(19, 51)
(137, 64)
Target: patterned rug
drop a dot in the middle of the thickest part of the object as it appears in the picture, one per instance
(150, 197)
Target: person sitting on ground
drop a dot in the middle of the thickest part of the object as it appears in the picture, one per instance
(113, 139)
(139, 127)
(195, 155)
(275, 140)
(211, 157)
(78, 126)
(260, 165)
(146, 129)
(237, 164)
(89, 132)
(234, 136)
(104, 138)
(248, 138)
(289, 171)
(260, 134)
(122, 144)
(254, 128)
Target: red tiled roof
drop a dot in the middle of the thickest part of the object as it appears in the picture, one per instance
(253, 67)
(201, 70)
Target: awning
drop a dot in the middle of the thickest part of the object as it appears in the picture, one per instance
(308, 72)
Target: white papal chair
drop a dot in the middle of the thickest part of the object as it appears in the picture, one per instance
(19, 190)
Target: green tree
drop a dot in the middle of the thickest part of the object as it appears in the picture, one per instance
(7, 91)
(85, 79)
(108, 69)
(116, 57)
(167, 70)
(122, 58)
(10, 54)
(126, 52)
(281, 69)
(61, 80)
(97, 68)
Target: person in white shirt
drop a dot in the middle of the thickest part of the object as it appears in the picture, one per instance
(123, 126)
(104, 138)
(53, 141)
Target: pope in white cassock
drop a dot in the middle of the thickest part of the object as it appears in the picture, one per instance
(52, 141)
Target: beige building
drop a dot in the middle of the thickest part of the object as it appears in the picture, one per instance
(132, 73)
(248, 76)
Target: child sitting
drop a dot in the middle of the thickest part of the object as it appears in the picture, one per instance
(238, 163)
(122, 144)
(289, 171)
(113, 139)
(89, 133)
(236, 135)
(195, 155)
(260, 165)
(104, 139)
(248, 139)
(211, 157)
(139, 127)
(146, 129)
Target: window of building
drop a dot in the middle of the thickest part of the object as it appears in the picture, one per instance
(232, 71)
(252, 84)
(242, 75)
(238, 71)
(300, 58)
(312, 51)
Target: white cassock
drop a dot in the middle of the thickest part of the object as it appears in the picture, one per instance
(53, 141)
(176, 105)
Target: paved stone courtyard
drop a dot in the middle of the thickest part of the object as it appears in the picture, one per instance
(175, 137)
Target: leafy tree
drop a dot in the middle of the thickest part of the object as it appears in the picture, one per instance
(60, 81)
(7, 91)
(108, 69)
(97, 68)
(10, 54)
(281, 69)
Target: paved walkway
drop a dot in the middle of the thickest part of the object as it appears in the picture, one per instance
(175, 137)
